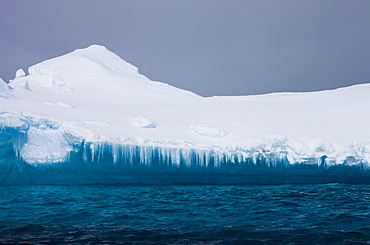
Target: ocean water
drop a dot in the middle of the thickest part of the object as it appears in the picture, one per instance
(185, 214)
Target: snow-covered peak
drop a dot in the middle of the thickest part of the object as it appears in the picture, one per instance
(88, 62)
(96, 74)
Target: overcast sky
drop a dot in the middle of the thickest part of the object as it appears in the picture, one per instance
(210, 47)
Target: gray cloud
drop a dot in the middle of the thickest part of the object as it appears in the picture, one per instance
(209, 47)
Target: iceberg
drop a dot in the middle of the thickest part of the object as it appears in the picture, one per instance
(90, 117)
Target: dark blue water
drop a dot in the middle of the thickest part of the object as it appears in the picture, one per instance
(185, 214)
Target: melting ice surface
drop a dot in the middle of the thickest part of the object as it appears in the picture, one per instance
(90, 117)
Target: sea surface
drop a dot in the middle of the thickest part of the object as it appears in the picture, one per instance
(185, 214)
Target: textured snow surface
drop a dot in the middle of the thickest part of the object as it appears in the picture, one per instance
(92, 101)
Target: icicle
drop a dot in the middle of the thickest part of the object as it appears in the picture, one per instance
(176, 157)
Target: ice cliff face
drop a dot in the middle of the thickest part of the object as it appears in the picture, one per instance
(90, 106)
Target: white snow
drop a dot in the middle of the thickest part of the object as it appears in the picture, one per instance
(208, 131)
(143, 122)
(94, 96)
(4, 88)
(63, 104)
(3, 84)
(20, 73)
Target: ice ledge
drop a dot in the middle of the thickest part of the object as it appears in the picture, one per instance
(43, 151)
(38, 140)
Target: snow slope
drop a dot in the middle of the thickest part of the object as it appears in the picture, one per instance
(90, 99)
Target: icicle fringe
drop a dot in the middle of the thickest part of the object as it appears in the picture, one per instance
(175, 157)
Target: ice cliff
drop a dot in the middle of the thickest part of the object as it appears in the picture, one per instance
(90, 117)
